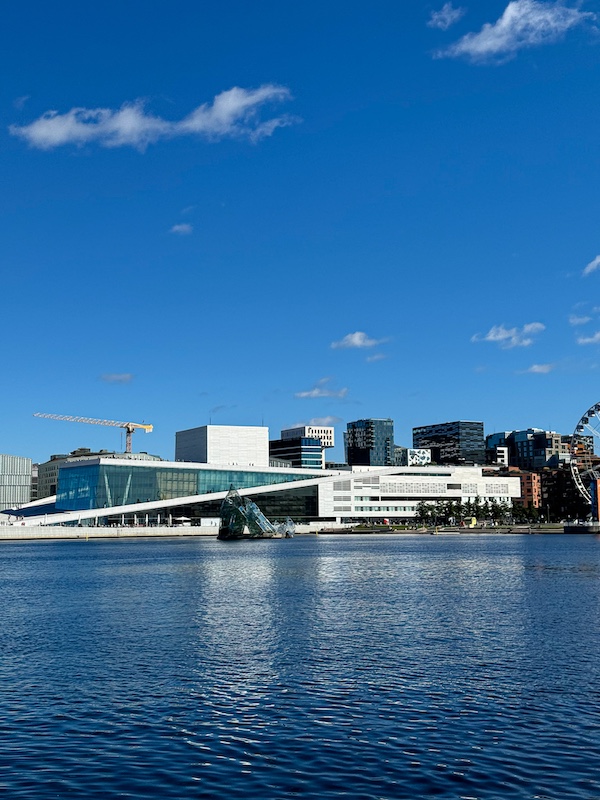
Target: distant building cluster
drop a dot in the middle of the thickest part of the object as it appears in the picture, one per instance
(451, 463)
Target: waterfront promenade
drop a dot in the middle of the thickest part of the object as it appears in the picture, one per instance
(17, 532)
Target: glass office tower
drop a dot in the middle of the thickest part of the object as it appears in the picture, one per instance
(457, 442)
(370, 442)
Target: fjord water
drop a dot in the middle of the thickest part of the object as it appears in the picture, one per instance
(333, 666)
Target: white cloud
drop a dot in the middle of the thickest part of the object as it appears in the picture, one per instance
(375, 357)
(183, 229)
(324, 421)
(524, 23)
(575, 320)
(232, 114)
(592, 266)
(511, 337)
(319, 421)
(358, 339)
(114, 377)
(595, 339)
(446, 16)
(321, 390)
(540, 369)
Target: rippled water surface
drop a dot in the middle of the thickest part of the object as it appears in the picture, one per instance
(327, 667)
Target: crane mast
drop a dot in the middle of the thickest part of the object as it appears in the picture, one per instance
(129, 427)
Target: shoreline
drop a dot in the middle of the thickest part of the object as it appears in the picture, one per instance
(14, 533)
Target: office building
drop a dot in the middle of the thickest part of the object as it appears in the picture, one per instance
(224, 444)
(303, 446)
(324, 433)
(304, 452)
(370, 442)
(459, 442)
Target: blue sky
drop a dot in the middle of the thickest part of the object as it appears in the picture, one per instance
(276, 213)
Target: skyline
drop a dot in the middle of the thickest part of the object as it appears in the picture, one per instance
(286, 216)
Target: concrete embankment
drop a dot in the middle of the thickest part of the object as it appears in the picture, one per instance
(23, 533)
(16, 533)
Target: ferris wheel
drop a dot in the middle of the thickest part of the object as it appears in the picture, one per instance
(585, 442)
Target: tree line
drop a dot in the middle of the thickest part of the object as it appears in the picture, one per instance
(453, 512)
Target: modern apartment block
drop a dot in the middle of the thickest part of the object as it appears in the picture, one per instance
(459, 442)
(244, 445)
(370, 442)
(15, 481)
(530, 449)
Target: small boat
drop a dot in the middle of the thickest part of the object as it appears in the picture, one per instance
(241, 518)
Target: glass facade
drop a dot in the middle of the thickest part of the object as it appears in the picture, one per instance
(304, 451)
(457, 442)
(370, 442)
(100, 485)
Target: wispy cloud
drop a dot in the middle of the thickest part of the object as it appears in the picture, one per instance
(232, 114)
(375, 357)
(320, 421)
(592, 266)
(358, 339)
(217, 409)
(322, 390)
(445, 17)
(524, 23)
(511, 337)
(576, 320)
(117, 377)
(540, 369)
(323, 421)
(183, 229)
(595, 339)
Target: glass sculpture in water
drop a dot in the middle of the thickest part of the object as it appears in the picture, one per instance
(241, 518)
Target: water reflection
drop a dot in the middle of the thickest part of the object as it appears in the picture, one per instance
(372, 666)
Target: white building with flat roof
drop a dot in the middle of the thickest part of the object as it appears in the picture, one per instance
(15, 481)
(224, 445)
(322, 432)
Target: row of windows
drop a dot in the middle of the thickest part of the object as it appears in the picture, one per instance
(385, 508)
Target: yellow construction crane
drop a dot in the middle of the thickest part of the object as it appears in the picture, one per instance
(130, 427)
